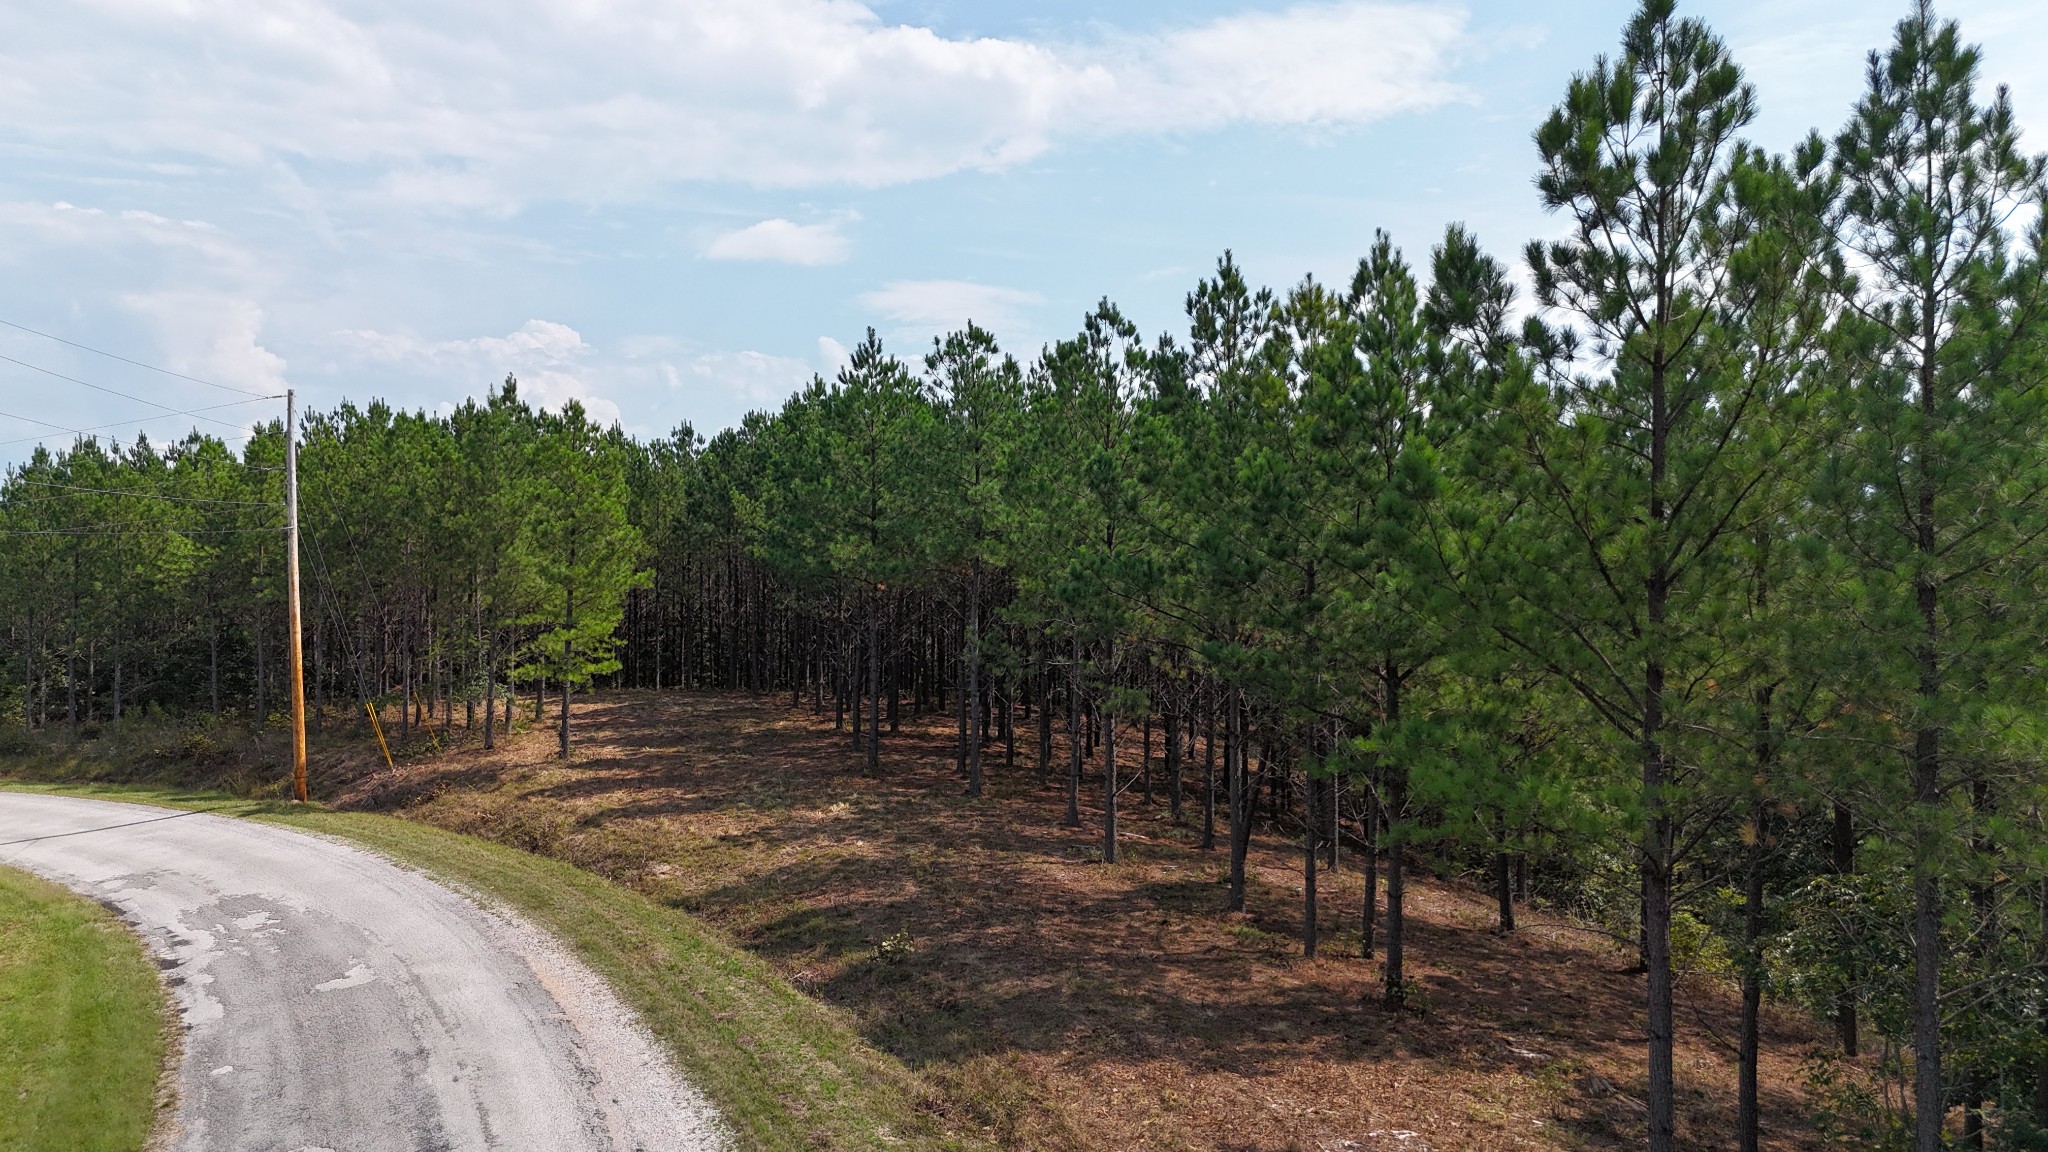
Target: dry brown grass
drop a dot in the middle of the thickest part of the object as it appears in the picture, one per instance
(1060, 1003)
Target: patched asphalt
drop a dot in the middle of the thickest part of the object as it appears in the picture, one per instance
(335, 1002)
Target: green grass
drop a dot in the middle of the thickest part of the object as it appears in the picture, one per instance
(81, 1024)
(786, 1071)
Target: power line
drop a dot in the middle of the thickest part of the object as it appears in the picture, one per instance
(44, 423)
(125, 423)
(134, 530)
(125, 360)
(148, 495)
(168, 410)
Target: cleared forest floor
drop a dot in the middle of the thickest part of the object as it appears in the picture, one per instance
(1060, 1003)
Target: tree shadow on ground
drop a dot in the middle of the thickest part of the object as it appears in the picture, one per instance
(1029, 955)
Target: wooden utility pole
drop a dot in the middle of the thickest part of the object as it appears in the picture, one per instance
(291, 550)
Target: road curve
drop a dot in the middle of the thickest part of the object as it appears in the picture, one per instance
(334, 1002)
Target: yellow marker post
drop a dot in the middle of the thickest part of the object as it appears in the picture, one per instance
(379, 730)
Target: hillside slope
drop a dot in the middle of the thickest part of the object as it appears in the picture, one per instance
(1062, 1003)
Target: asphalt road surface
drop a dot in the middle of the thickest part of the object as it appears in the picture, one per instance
(334, 1002)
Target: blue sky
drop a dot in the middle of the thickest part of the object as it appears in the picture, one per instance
(677, 210)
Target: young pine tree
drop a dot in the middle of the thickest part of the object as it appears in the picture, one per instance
(580, 553)
(1638, 463)
(1941, 493)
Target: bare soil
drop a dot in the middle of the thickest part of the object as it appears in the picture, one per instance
(1060, 1003)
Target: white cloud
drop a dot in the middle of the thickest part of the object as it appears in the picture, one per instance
(552, 390)
(783, 241)
(491, 105)
(193, 248)
(212, 336)
(1320, 64)
(196, 293)
(555, 364)
(1805, 55)
(549, 359)
(542, 342)
(756, 379)
(934, 306)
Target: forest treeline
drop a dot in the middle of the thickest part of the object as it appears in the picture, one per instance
(1698, 593)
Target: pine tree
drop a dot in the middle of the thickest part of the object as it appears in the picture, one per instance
(1941, 497)
(980, 394)
(580, 552)
(1635, 472)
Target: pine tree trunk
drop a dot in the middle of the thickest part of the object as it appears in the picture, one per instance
(1334, 830)
(1503, 894)
(963, 724)
(1240, 803)
(971, 660)
(856, 675)
(839, 680)
(1661, 1100)
(1929, 1103)
(490, 699)
(2040, 1101)
(1310, 823)
(1209, 781)
(1108, 767)
(1044, 716)
(568, 670)
(1370, 834)
(1657, 830)
(1747, 1107)
(1173, 730)
(1395, 989)
(1073, 819)
(875, 690)
(1929, 1100)
(1844, 859)
(256, 625)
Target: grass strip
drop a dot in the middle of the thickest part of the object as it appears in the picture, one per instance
(787, 1072)
(81, 1024)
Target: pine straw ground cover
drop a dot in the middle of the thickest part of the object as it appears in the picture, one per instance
(1060, 1003)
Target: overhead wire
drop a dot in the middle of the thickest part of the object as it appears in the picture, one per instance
(168, 410)
(134, 529)
(126, 360)
(44, 423)
(125, 423)
(147, 495)
(332, 601)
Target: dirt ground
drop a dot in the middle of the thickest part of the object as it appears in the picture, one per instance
(1060, 1003)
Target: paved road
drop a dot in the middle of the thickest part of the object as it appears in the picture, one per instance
(334, 1002)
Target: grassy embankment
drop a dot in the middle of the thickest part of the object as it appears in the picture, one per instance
(785, 1071)
(81, 1024)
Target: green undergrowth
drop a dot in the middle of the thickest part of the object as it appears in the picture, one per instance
(81, 1024)
(786, 1071)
